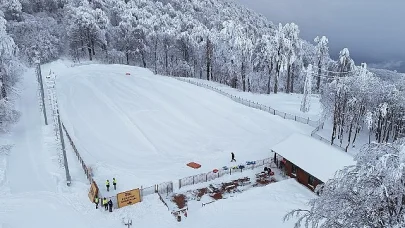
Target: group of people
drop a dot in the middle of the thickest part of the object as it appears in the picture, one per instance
(107, 184)
(107, 204)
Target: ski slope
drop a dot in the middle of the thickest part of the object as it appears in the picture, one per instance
(32, 183)
(143, 129)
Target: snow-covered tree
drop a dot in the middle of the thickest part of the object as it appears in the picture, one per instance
(12, 9)
(293, 52)
(8, 76)
(368, 194)
(86, 29)
(322, 55)
(306, 99)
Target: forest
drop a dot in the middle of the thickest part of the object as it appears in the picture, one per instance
(214, 40)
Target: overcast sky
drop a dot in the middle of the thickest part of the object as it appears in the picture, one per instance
(373, 30)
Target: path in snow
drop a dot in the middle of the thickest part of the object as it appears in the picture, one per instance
(27, 167)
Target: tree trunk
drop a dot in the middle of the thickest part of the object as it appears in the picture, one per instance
(318, 80)
(208, 58)
(90, 54)
(287, 86)
(166, 60)
(155, 55)
(143, 59)
(350, 134)
(243, 77)
(292, 80)
(92, 47)
(276, 78)
(127, 57)
(335, 118)
(342, 118)
(268, 82)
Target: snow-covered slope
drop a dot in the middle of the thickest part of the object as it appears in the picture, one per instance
(282, 102)
(143, 129)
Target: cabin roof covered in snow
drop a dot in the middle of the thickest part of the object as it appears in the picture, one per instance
(313, 156)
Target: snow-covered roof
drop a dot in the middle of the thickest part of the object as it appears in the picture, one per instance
(313, 156)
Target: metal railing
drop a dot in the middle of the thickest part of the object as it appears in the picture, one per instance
(206, 177)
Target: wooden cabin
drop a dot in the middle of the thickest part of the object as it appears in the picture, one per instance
(310, 160)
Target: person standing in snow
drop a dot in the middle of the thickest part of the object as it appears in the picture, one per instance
(105, 203)
(107, 184)
(233, 157)
(110, 204)
(115, 183)
(96, 201)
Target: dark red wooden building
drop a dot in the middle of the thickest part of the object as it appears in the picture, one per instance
(309, 160)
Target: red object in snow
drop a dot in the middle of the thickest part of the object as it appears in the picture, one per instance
(271, 173)
(194, 165)
(215, 171)
(128, 73)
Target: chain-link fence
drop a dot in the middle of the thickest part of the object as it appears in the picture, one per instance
(205, 177)
(145, 191)
(85, 168)
(255, 105)
(164, 188)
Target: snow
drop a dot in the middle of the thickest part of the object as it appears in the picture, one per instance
(256, 207)
(28, 163)
(313, 156)
(143, 129)
(288, 103)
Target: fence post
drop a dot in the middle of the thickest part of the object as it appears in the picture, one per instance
(284, 115)
(295, 118)
(274, 112)
(179, 183)
(68, 178)
(41, 88)
(308, 120)
(193, 179)
(206, 177)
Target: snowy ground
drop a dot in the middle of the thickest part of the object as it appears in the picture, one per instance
(361, 139)
(257, 207)
(289, 103)
(143, 129)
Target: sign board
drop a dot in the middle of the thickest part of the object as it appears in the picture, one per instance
(129, 197)
(93, 192)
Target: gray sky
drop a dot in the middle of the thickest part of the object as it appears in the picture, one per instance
(373, 30)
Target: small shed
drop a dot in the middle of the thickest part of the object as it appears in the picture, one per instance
(309, 160)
